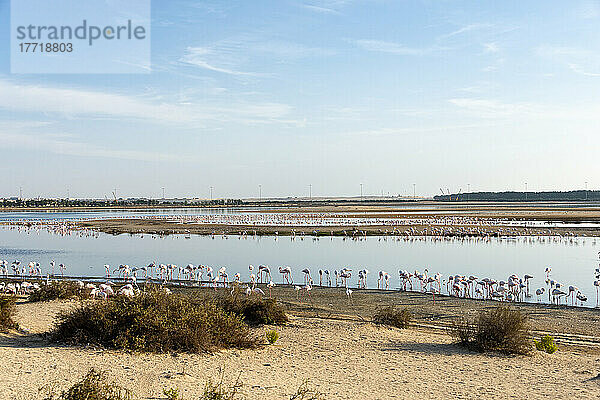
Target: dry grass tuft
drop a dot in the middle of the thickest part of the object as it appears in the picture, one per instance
(501, 329)
(93, 386)
(392, 316)
(7, 310)
(253, 309)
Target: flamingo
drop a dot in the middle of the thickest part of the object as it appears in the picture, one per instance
(572, 291)
(539, 292)
(526, 278)
(327, 275)
(287, 274)
(580, 297)
(306, 288)
(307, 278)
(270, 285)
(263, 269)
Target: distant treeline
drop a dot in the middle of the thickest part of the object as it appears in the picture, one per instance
(575, 195)
(39, 202)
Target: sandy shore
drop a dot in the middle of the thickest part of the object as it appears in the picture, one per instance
(408, 214)
(342, 356)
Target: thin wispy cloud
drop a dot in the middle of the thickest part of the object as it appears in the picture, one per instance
(322, 10)
(491, 47)
(395, 48)
(68, 102)
(580, 61)
(201, 57)
(82, 103)
(228, 56)
(465, 29)
(416, 130)
(581, 71)
(492, 108)
(57, 145)
(326, 6)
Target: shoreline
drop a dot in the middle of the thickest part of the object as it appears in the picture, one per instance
(331, 344)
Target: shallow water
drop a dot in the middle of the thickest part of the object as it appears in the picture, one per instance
(573, 261)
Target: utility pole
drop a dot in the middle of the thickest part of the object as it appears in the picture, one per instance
(163, 192)
(310, 191)
(361, 192)
(469, 190)
(586, 191)
(414, 191)
(260, 192)
(20, 193)
(525, 191)
(211, 190)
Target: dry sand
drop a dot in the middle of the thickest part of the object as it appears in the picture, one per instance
(343, 359)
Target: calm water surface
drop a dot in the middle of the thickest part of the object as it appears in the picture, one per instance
(573, 261)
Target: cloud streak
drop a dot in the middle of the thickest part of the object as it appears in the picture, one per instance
(199, 57)
(579, 61)
(395, 48)
(56, 144)
(80, 103)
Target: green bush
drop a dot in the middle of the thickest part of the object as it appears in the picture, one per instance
(398, 317)
(546, 344)
(501, 329)
(272, 336)
(153, 321)
(254, 310)
(94, 386)
(7, 310)
(59, 290)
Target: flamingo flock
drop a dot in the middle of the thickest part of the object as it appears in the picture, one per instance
(317, 224)
(512, 289)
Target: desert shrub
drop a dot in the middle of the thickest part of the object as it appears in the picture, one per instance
(153, 321)
(304, 392)
(93, 386)
(501, 329)
(546, 344)
(59, 290)
(254, 310)
(7, 310)
(398, 317)
(272, 336)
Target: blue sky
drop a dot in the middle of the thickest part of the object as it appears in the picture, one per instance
(332, 93)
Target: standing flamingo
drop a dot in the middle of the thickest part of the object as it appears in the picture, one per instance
(287, 274)
(307, 278)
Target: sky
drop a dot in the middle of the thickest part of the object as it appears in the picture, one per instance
(479, 95)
